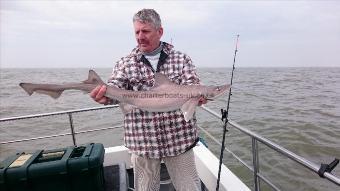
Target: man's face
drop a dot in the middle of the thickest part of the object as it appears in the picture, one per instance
(148, 38)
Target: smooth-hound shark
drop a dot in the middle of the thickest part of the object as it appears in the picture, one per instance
(164, 96)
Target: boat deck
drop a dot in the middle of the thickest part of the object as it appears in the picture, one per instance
(117, 178)
(118, 171)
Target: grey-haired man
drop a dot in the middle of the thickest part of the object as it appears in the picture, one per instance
(156, 136)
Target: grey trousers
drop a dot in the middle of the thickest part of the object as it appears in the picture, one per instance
(181, 168)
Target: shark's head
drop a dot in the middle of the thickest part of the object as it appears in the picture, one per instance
(216, 91)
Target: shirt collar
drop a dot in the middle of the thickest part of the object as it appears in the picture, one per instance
(166, 49)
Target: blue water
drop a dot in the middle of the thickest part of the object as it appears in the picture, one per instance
(297, 108)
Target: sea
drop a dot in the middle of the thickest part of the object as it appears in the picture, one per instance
(296, 108)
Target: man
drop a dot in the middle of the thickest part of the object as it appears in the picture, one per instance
(156, 136)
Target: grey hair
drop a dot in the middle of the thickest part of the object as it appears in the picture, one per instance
(148, 16)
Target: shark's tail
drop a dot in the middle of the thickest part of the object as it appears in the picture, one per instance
(55, 90)
(31, 88)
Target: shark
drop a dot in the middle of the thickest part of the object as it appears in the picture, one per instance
(163, 96)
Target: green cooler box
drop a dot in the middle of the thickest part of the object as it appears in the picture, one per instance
(68, 169)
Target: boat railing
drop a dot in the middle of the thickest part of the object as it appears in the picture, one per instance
(70, 117)
(255, 168)
(255, 153)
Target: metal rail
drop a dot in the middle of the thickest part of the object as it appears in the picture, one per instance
(255, 139)
(239, 159)
(57, 113)
(59, 135)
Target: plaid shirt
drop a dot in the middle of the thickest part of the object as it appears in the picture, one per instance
(156, 134)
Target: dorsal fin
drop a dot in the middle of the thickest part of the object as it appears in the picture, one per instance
(93, 78)
(161, 80)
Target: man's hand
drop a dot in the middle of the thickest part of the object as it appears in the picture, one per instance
(98, 95)
(202, 101)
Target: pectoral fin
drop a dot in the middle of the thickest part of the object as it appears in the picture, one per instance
(126, 108)
(188, 108)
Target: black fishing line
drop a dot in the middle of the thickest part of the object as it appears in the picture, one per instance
(224, 118)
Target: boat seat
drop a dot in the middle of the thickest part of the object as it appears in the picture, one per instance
(115, 177)
(165, 182)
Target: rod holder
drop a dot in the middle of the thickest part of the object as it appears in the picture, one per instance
(327, 167)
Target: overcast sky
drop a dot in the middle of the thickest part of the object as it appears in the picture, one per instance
(93, 34)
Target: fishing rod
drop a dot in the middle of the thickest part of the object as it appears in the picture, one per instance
(224, 118)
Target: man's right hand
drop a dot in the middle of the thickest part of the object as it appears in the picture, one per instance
(98, 94)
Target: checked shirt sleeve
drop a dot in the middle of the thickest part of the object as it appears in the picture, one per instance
(189, 76)
(118, 77)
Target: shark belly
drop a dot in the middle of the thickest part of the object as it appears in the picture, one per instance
(158, 105)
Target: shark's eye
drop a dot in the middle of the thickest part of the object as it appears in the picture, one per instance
(218, 89)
